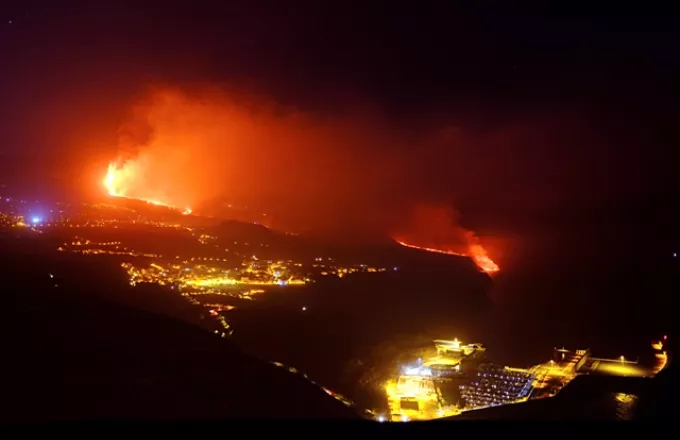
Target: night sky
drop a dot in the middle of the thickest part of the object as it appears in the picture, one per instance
(562, 121)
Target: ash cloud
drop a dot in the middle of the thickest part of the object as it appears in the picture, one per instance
(354, 170)
(211, 148)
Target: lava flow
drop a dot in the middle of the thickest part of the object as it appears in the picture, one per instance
(117, 180)
(475, 251)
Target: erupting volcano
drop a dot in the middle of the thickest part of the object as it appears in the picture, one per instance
(436, 230)
(121, 179)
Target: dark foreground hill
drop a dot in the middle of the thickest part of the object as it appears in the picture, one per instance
(68, 356)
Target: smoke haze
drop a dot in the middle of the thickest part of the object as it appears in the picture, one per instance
(208, 149)
(516, 132)
(353, 171)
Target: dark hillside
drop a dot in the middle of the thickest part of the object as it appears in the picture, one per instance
(69, 355)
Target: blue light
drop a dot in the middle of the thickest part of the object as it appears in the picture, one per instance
(35, 219)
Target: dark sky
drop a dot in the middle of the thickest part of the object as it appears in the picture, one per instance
(561, 115)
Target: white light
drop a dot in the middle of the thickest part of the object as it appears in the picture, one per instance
(35, 219)
(304, 308)
(51, 276)
(381, 419)
(405, 419)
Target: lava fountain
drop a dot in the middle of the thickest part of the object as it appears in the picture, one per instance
(120, 182)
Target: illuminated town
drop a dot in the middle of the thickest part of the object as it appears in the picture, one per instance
(210, 270)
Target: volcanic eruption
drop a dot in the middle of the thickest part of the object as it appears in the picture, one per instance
(210, 148)
(122, 180)
(436, 229)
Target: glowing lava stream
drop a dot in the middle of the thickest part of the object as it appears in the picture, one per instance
(113, 177)
(477, 253)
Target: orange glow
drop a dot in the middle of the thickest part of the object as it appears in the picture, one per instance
(230, 152)
(481, 259)
(437, 229)
(476, 252)
(120, 181)
(439, 251)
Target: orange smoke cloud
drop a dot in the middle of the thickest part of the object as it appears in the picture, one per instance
(202, 149)
(437, 229)
(353, 173)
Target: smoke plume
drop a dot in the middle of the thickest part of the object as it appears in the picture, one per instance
(218, 149)
(210, 148)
